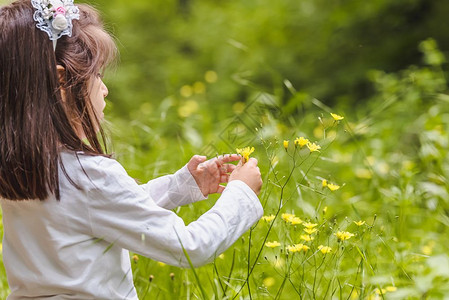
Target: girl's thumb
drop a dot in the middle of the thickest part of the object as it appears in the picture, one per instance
(240, 163)
(195, 161)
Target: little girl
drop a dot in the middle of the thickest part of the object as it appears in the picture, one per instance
(69, 209)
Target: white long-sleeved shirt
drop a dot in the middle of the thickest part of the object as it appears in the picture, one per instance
(75, 248)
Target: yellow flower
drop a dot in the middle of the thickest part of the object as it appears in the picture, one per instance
(359, 223)
(343, 235)
(295, 221)
(324, 183)
(269, 281)
(303, 247)
(426, 250)
(324, 209)
(285, 144)
(221, 256)
(291, 218)
(309, 225)
(310, 230)
(333, 187)
(324, 249)
(313, 147)
(273, 244)
(292, 248)
(135, 258)
(245, 153)
(378, 292)
(199, 87)
(306, 237)
(186, 91)
(211, 76)
(287, 217)
(161, 264)
(301, 142)
(337, 117)
(268, 218)
(391, 288)
(188, 108)
(298, 248)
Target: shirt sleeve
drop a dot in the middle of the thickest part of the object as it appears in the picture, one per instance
(123, 213)
(175, 190)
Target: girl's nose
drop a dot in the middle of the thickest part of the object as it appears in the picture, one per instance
(105, 90)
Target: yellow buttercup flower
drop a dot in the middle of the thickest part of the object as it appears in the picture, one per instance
(291, 218)
(359, 223)
(135, 258)
(391, 288)
(211, 76)
(287, 217)
(186, 91)
(378, 292)
(343, 235)
(301, 142)
(245, 153)
(337, 117)
(310, 230)
(269, 281)
(324, 182)
(268, 218)
(292, 248)
(306, 237)
(303, 247)
(295, 221)
(298, 248)
(309, 225)
(324, 209)
(333, 187)
(273, 244)
(313, 147)
(285, 144)
(426, 250)
(324, 249)
(199, 87)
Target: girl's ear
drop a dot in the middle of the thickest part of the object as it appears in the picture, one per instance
(61, 74)
(61, 77)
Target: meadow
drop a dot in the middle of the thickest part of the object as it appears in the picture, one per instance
(356, 191)
(363, 217)
(356, 202)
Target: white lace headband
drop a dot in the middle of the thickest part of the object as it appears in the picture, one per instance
(55, 17)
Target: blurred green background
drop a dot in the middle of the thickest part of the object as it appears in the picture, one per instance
(325, 48)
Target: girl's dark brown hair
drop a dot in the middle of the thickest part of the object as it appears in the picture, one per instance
(36, 122)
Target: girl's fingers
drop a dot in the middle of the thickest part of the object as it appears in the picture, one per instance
(224, 178)
(220, 189)
(228, 168)
(228, 158)
(195, 161)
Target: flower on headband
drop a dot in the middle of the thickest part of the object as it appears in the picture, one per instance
(55, 17)
(59, 22)
(60, 10)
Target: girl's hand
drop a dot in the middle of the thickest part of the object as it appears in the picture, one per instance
(249, 173)
(209, 174)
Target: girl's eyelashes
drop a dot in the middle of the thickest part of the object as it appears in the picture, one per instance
(99, 75)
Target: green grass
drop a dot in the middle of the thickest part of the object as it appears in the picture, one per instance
(389, 158)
